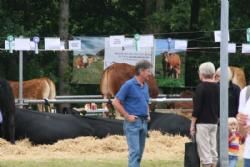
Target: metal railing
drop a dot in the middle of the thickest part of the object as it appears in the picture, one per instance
(72, 100)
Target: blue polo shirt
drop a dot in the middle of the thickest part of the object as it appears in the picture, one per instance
(134, 97)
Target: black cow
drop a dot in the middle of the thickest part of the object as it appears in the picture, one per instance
(47, 128)
(104, 126)
(7, 107)
(170, 123)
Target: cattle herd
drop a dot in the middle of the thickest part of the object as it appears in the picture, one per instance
(47, 128)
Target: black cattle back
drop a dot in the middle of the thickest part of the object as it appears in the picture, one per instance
(170, 123)
(47, 128)
(104, 126)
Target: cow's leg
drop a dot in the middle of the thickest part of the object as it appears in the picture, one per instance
(164, 69)
(40, 107)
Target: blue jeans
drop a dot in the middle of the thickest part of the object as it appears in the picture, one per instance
(246, 162)
(233, 160)
(136, 133)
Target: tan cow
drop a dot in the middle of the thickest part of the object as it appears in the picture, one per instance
(40, 88)
(81, 61)
(235, 74)
(238, 76)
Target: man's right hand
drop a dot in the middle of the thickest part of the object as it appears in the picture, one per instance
(242, 119)
(131, 118)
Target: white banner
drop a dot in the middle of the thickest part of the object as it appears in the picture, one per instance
(128, 54)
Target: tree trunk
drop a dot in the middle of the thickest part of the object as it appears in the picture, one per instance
(160, 4)
(63, 55)
(148, 8)
(194, 26)
(195, 9)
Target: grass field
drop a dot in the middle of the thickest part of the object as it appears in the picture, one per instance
(167, 81)
(85, 163)
(90, 163)
(90, 75)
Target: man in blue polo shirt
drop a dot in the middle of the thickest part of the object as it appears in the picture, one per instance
(131, 102)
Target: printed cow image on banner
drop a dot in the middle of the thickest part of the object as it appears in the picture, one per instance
(88, 62)
(97, 53)
(170, 62)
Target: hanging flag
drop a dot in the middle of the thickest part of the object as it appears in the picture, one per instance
(146, 41)
(7, 45)
(36, 40)
(248, 35)
(10, 39)
(231, 48)
(52, 43)
(136, 38)
(180, 45)
(62, 45)
(245, 48)
(217, 36)
(22, 44)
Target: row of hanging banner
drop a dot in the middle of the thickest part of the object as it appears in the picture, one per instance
(118, 41)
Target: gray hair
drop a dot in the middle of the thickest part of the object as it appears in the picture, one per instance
(207, 69)
(230, 75)
(142, 65)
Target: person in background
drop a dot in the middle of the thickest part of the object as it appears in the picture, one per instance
(233, 100)
(205, 115)
(243, 118)
(131, 102)
(233, 141)
(233, 93)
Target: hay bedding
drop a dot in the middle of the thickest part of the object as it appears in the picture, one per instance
(158, 146)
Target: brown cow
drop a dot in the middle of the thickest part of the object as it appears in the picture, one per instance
(171, 64)
(40, 88)
(185, 108)
(116, 74)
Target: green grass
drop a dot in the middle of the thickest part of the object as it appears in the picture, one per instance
(168, 82)
(85, 163)
(90, 163)
(90, 75)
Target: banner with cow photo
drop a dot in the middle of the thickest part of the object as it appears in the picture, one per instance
(88, 62)
(170, 62)
(97, 53)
